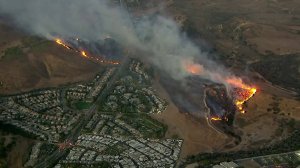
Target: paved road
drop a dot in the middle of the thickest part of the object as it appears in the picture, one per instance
(208, 116)
(264, 156)
(57, 155)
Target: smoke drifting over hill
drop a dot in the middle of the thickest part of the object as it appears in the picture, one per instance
(92, 20)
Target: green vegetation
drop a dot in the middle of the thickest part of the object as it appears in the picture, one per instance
(32, 41)
(13, 52)
(3, 153)
(36, 43)
(46, 148)
(147, 126)
(81, 105)
(42, 46)
(122, 104)
(127, 108)
(5, 148)
(15, 130)
(114, 150)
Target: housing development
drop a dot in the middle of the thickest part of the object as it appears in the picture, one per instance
(94, 123)
(149, 84)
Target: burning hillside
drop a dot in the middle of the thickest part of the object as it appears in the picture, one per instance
(239, 92)
(83, 53)
(220, 104)
(43, 64)
(59, 41)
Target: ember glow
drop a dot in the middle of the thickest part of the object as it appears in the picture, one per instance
(216, 119)
(243, 96)
(243, 92)
(84, 53)
(59, 41)
(193, 68)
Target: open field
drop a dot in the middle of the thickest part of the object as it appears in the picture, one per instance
(262, 36)
(258, 40)
(30, 62)
(268, 121)
(250, 38)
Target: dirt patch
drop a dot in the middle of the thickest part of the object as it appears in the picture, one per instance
(198, 136)
(261, 125)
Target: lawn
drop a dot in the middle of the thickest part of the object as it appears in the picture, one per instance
(147, 126)
(81, 105)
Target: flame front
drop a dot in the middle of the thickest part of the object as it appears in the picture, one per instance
(215, 119)
(243, 93)
(59, 41)
(84, 53)
(244, 96)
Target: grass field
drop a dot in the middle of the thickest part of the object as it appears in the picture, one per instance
(81, 105)
(148, 127)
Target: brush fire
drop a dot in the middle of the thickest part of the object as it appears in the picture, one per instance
(216, 119)
(84, 53)
(240, 91)
(59, 41)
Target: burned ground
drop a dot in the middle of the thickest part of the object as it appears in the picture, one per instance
(252, 37)
(247, 36)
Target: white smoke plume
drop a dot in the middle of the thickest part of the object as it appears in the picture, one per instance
(91, 20)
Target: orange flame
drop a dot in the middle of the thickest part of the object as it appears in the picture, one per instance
(193, 68)
(245, 93)
(215, 118)
(83, 53)
(59, 41)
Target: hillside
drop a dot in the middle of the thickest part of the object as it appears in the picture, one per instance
(30, 62)
(261, 36)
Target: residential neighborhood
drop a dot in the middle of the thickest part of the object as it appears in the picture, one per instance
(123, 151)
(103, 121)
(39, 113)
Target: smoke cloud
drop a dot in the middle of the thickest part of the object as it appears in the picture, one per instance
(92, 20)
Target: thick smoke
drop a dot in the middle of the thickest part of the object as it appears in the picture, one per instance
(92, 20)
